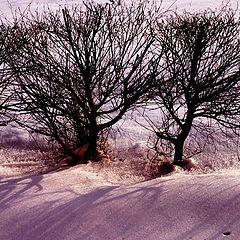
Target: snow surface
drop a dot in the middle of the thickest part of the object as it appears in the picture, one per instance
(76, 205)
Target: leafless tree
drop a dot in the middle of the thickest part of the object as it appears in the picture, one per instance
(79, 70)
(6, 86)
(200, 81)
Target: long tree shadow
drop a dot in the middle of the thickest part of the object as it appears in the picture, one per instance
(80, 217)
(13, 189)
(116, 212)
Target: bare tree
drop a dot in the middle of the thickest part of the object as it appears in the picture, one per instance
(6, 86)
(200, 77)
(79, 70)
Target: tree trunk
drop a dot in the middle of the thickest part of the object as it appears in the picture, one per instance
(178, 154)
(67, 150)
(179, 144)
(92, 141)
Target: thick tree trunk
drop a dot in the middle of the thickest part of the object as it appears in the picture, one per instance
(92, 149)
(67, 150)
(85, 146)
(178, 154)
(179, 144)
(92, 141)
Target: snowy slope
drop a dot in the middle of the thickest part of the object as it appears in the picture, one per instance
(75, 205)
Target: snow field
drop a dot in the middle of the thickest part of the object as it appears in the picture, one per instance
(129, 141)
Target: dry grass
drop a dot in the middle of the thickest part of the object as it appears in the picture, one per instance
(14, 162)
(120, 165)
(127, 163)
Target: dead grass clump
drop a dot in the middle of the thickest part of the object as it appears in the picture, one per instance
(15, 162)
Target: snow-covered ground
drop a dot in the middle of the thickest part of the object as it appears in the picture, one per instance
(76, 205)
